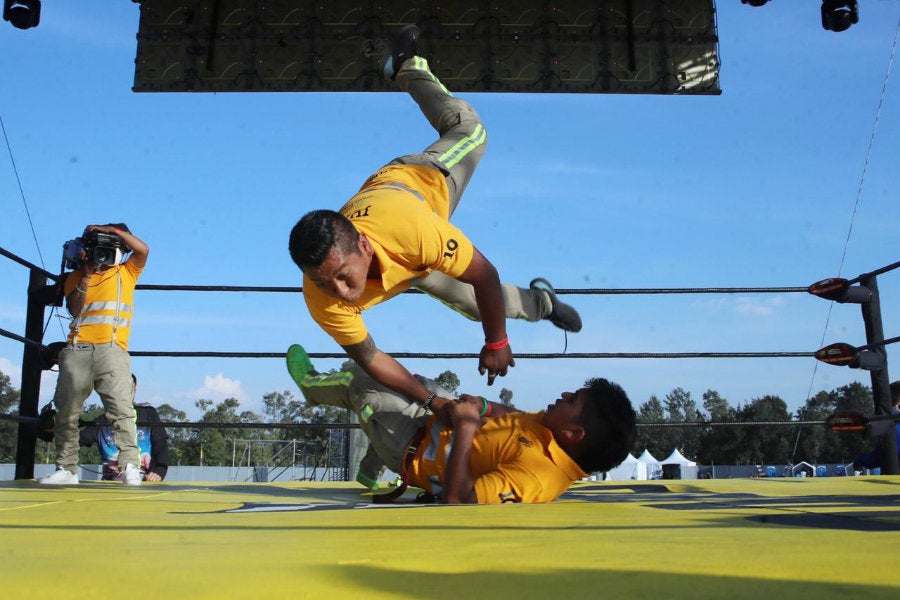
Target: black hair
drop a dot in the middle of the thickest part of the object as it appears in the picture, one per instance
(313, 237)
(610, 426)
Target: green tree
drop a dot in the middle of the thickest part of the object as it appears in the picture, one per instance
(651, 411)
(179, 437)
(449, 381)
(672, 430)
(816, 444)
(681, 408)
(841, 447)
(282, 407)
(762, 444)
(717, 442)
(213, 446)
(9, 403)
(810, 438)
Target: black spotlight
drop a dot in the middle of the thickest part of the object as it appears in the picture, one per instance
(754, 2)
(23, 14)
(838, 15)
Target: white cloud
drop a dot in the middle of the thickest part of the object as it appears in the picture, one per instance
(755, 307)
(14, 372)
(216, 388)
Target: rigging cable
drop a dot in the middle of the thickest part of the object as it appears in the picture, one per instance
(859, 190)
(37, 245)
(12, 160)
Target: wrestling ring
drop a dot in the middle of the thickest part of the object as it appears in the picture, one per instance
(736, 538)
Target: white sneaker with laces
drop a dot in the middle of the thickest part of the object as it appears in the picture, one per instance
(131, 475)
(60, 477)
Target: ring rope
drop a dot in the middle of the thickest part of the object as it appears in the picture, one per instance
(306, 426)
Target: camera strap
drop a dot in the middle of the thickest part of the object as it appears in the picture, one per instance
(115, 324)
(76, 324)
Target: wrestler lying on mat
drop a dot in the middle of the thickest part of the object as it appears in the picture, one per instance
(470, 450)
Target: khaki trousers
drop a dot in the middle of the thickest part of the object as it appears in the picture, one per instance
(84, 368)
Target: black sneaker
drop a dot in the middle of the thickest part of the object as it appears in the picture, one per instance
(561, 314)
(403, 48)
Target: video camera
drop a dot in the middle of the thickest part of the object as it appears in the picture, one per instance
(99, 248)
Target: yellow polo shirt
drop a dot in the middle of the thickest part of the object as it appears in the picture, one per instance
(404, 211)
(514, 459)
(108, 305)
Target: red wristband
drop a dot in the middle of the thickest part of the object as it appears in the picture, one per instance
(497, 345)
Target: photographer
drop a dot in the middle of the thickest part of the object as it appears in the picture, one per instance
(100, 297)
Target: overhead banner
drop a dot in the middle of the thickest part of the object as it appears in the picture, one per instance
(574, 46)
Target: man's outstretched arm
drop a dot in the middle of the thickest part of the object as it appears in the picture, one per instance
(487, 408)
(385, 369)
(483, 277)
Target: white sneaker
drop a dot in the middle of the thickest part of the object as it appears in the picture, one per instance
(60, 477)
(131, 475)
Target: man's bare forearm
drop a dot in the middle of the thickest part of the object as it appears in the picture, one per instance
(385, 369)
(459, 483)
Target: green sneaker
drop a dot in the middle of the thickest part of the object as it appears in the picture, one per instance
(368, 482)
(298, 364)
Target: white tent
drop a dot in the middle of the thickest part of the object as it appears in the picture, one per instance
(687, 469)
(647, 458)
(628, 469)
(676, 458)
(654, 469)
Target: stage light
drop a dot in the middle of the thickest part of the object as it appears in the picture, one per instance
(839, 15)
(23, 14)
(754, 2)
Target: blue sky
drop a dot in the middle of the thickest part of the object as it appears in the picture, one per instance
(752, 188)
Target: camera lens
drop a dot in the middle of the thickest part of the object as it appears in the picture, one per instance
(105, 256)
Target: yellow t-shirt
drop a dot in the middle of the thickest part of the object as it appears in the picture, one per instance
(514, 459)
(404, 211)
(108, 306)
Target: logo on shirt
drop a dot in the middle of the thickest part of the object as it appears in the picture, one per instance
(508, 497)
(451, 245)
(525, 441)
(363, 212)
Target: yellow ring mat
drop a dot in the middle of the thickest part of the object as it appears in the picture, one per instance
(731, 538)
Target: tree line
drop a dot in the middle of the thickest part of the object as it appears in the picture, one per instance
(215, 446)
(714, 432)
(711, 432)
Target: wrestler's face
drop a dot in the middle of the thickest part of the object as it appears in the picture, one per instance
(343, 275)
(564, 411)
